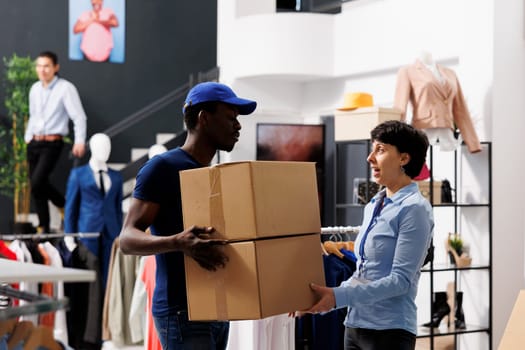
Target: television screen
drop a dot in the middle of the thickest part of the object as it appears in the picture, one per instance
(293, 142)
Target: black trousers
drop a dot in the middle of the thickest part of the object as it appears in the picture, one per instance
(371, 339)
(42, 157)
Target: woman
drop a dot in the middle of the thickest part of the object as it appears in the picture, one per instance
(391, 247)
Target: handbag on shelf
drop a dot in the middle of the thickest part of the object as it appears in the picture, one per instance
(364, 190)
(446, 192)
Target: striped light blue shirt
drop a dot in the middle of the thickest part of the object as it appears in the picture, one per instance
(381, 295)
(51, 108)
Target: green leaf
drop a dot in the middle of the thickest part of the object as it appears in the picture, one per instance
(19, 75)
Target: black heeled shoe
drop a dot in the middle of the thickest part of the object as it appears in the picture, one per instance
(459, 321)
(440, 309)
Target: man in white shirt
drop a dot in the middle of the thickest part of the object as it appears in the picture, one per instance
(52, 102)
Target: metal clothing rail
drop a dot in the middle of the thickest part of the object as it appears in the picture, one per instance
(332, 230)
(38, 236)
(38, 303)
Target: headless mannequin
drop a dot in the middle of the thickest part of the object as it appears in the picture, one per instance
(444, 137)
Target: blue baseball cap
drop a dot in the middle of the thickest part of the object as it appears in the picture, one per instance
(217, 92)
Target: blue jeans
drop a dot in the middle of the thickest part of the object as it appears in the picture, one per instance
(176, 332)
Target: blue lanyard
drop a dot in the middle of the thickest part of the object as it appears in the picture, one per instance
(373, 221)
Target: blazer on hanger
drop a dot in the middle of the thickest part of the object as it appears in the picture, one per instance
(435, 104)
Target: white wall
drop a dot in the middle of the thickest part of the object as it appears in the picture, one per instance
(373, 35)
(481, 40)
(508, 108)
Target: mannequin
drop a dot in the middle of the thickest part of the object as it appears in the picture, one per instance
(444, 137)
(94, 202)
(426, 58)
(156, 149)
(438, 103)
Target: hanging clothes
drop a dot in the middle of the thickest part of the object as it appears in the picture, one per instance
(326, 331)
(60, 324)
(123, 276)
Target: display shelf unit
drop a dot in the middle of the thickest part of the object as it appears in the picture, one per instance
(346, 160)
(462, 209)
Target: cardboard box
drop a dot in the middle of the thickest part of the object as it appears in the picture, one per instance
(424, 188)
(513, 336)
(248, 200)
(357, 124)
(263, 278)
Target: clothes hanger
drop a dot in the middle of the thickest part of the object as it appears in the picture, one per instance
(21, 332)
(38, 303)
(324, 250)
(335, 247)
(41, 336)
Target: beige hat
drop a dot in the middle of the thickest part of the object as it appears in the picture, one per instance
(355, 100)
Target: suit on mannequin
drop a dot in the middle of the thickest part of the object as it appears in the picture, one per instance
(438, 103)
(88, 209)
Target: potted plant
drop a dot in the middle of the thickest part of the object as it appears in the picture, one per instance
(455, 248)
(14, 178)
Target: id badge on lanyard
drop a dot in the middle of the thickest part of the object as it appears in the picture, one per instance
(373, 221)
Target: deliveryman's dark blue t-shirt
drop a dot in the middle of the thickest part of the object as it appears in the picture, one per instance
(158, 182)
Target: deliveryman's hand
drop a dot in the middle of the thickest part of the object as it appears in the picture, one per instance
(196, 242)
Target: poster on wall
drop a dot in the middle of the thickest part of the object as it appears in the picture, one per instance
(293, 142)
(97, 30)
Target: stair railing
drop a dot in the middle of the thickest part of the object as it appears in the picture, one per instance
(130, 170)
(166, 100)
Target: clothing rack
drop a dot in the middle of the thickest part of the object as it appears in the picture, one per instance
(340, 233)
(38, 236)
(12, 271)
(38, 303)
(331, 230)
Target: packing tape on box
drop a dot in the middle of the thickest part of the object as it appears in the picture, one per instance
(217, 222)
(216, 209)
(221, 302)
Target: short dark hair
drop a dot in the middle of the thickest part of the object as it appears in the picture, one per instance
(192, 112)
(406, 139)
(51, 55)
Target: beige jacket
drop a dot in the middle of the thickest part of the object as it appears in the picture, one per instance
(435, 104)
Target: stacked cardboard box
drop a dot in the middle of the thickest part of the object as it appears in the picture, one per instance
(269, 213)
(357, 124)
(424, 188)
(513, 336)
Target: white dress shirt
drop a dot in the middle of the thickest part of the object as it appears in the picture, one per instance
(96, 167)
(51, 107)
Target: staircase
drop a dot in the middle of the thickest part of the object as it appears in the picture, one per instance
(138, 157)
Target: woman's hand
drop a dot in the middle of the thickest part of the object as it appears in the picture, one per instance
(325, 301)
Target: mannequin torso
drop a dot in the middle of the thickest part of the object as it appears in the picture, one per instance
(435, 105)
(426, 58)
(444, 137)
